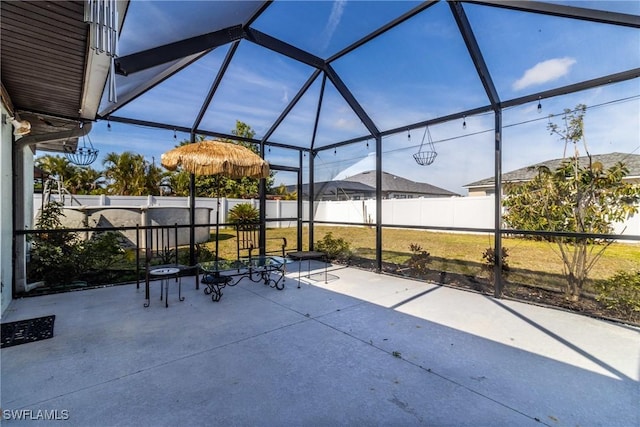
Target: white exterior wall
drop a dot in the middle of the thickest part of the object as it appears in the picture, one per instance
(6, 221)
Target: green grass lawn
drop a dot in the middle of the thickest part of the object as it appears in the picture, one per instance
(531, 262)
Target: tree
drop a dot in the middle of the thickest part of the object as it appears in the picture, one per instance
(129, 174)
(580, 196)
(282, 193)
(77, 180)
(178, 183)
(58, 167)
(86, 181)
(244, 187)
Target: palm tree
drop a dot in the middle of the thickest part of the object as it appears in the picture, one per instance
(154, 179)
(178, 183)
(87, 181)
(282, 193)
(129, 174)
(58, 167)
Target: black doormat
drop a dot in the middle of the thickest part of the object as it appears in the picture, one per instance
(24, 331)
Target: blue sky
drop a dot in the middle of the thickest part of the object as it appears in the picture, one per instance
(417, 71)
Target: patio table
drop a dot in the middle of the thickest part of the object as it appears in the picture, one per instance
(220, 273)
(309, 255)
(164, 274)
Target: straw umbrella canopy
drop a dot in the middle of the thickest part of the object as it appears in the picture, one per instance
(219, 158)
(216, 158)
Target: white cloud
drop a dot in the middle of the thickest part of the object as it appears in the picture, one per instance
(345, 123)
(333, 22)
(544, 71)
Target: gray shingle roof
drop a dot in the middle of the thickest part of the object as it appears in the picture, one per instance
(396, 184)
(632, 161)
(337, 188)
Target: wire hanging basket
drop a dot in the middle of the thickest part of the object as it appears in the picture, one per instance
(83, 155)
(426, 155)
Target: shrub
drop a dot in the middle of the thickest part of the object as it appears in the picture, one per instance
(203, 253)
(621, 291)
(60, 257)
(419, 260)
(101, 251)
(489, 260)
(53, 255)
(244, 213)
(335, 248)
(489, 263)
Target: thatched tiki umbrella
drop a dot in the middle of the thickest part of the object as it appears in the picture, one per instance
(216, 158)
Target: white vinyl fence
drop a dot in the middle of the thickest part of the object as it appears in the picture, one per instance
(459, 212)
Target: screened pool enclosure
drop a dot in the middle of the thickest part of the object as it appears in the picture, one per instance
(447, 93)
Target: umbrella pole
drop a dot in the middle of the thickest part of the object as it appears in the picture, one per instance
(192, 219)
(217, 213)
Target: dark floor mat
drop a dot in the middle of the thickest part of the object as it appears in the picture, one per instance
(29, 330)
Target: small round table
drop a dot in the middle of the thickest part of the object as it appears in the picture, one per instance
(165, 274)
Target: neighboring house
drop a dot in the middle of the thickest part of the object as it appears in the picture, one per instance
(363, 186)
(485, 187)
(337, 190)
(396, 187)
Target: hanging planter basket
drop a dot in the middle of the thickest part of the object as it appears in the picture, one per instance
(83, 155)
(424, 158)
(426, 155)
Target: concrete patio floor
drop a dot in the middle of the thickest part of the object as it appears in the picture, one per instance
(362, 350)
